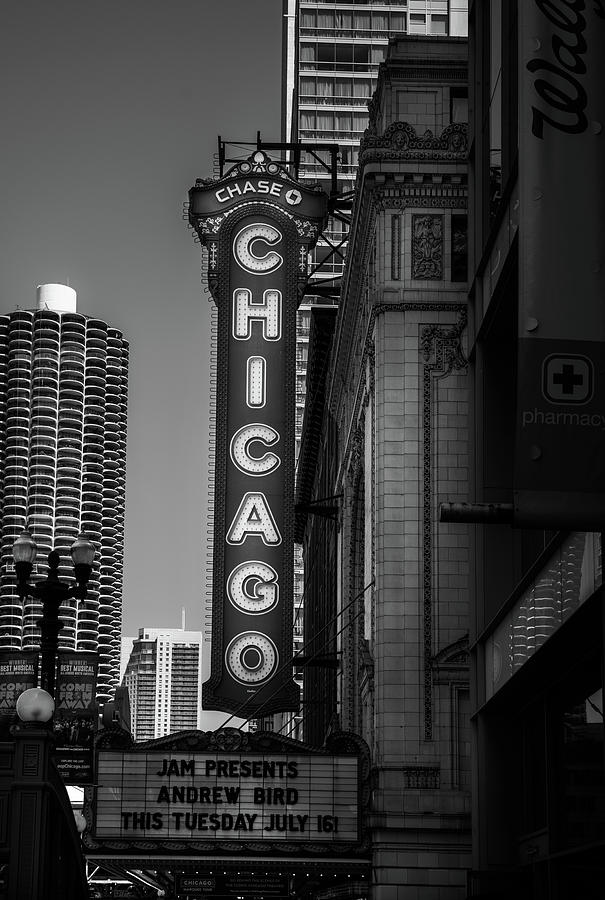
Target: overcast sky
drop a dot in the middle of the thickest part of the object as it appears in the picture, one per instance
(110, 111)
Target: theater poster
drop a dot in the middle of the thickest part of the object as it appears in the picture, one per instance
(18, 673)
(75, 718)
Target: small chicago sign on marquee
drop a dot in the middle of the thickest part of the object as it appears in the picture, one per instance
(258, 226)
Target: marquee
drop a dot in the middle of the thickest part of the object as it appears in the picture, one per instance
(215, 792)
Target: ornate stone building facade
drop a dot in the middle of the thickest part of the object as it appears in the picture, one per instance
(385, 441)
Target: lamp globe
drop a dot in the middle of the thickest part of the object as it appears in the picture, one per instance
(35, 705)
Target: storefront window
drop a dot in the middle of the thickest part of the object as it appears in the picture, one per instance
(566, 581)
(581, 777)
(533, 780)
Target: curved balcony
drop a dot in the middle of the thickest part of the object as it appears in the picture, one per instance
(68, 489)
(69, 430)
(72, 351)
(92, 455)
(44, 532)
(74, 379)
(21, 343)
(16, 463)
(46, 346)
(14, 512)
(92, 502)
(74, 318)
(18, 427)
(93, 430)
(65, 523)
(96, 350)
(15, 523)
(40, 492)
(70, 411)
(45, 379)
(72, 360)
(17, 394)
(71, 368)
(45, 414)
(95, 394)
(94, 409)
(69, 466)
(15, 484)
(96, 347)
(93, 468)
(14, 443)
(94, 386)
(48, 317)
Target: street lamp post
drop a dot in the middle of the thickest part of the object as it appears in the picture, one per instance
(52, 592)
(44, 857)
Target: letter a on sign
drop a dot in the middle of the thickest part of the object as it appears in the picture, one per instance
(258, 225)
(254, 518)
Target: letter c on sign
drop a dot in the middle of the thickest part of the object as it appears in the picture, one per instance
(240, 449)
(244, 252)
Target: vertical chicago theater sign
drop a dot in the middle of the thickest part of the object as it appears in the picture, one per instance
(258, 226)
(560, 446)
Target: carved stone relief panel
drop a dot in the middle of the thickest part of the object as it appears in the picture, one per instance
(427, 247)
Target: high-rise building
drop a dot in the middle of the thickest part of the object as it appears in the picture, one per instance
(331, 53)
(163, 681)
(63, 407)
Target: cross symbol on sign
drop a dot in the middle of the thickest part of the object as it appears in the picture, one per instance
(567, 378)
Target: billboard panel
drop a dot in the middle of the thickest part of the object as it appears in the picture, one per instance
(75, 719)
(18, 673)
(559, 475)
(258, 226)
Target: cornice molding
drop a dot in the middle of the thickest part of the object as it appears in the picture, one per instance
(401, 141)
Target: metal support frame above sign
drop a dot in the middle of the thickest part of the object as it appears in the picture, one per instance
(340, 203)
